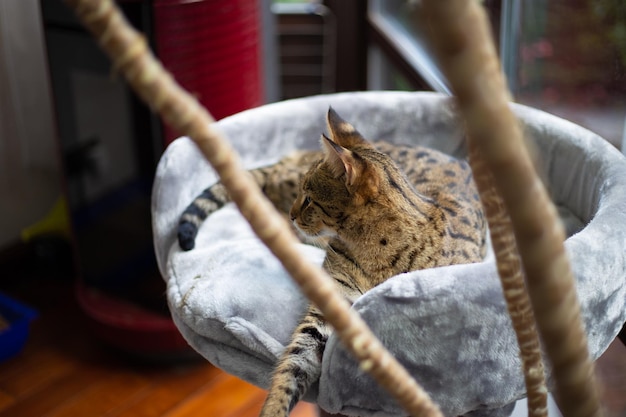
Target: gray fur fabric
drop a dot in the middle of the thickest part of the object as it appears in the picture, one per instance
(236, 305)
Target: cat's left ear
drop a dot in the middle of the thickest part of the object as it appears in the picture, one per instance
(342, 132)
(343, 161)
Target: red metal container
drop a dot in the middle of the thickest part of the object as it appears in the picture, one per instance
(213, 49)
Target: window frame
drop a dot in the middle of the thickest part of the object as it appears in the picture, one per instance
(360, 25)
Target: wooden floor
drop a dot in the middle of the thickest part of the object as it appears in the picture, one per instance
(65, 372)
(611, 376)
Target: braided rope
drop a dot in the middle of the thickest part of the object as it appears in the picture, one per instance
(513, 286)
(468, 59)
(460, 33)
(131, 57)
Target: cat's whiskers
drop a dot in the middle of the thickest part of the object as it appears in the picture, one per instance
(318, 241)
(329, 248)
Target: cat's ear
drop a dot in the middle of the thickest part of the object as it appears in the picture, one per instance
(342, 161)
(342, 132)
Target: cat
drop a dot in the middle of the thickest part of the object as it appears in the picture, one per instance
(374, 220)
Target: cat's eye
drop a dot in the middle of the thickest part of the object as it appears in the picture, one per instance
(305, 203)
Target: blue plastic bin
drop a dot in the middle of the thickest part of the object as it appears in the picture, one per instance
(19, 316)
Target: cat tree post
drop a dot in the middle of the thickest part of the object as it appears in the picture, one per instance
(131, 57)
(512, 280)
(156, 90)
(460, 34)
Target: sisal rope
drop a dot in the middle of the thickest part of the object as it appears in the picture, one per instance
(130, 55)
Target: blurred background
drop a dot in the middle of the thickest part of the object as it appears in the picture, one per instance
(78, 153)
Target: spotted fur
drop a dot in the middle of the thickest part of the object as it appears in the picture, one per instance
(379, 209)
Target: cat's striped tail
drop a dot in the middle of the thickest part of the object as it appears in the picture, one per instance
(210, 200)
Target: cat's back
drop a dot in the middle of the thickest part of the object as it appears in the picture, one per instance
(450, 183)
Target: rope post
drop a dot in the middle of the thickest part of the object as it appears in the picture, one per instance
(130, 55)
(459, 31)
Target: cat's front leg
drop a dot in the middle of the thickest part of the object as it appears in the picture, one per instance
(299, 367)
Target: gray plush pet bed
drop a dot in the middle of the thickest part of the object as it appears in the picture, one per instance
(235, 305)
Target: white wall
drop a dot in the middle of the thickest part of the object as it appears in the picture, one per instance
(29, 163)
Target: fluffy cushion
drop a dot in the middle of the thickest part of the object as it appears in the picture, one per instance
(236, 305)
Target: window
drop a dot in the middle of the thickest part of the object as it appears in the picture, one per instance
(568, 57)
(390, 22)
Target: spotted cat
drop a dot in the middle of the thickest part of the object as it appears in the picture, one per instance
(379, 209)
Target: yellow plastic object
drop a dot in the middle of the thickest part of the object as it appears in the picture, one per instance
(55, 222)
